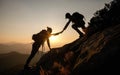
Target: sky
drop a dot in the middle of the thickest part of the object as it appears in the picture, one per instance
(20, 19)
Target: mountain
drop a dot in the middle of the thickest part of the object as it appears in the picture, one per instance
(11, 63)
(10, 60)
(96, 54)
(18, 47)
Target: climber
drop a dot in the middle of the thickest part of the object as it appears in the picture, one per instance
(77, 20)
(39, 40)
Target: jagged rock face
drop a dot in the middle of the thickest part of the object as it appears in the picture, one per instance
(87, 55)
(99, 53)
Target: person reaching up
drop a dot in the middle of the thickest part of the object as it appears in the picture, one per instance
(39, 40)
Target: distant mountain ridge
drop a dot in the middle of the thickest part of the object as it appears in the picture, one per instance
(18, 47)
(14, 60)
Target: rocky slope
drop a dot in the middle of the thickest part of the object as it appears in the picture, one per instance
(95, 54)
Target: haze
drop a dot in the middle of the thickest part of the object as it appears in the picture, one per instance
(20, 19)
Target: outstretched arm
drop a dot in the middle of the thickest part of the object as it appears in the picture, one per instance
(56, 33)
(48, 42)
(66, 25)
(63, 28)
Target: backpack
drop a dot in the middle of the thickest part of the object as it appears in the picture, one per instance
(77, 16)
(39, 36)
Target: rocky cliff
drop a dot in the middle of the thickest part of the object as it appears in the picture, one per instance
(93, 54)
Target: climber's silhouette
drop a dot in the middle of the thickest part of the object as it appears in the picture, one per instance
(77, 20)
(39, 40)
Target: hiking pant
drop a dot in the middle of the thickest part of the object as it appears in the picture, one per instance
(35, 48)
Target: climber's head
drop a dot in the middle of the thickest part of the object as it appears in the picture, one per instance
(49, 29)
(67, 15)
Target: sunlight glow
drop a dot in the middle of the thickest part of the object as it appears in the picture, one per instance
(54, 39)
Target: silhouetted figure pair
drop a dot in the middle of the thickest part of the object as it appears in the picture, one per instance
(39, 40)
(78, 21)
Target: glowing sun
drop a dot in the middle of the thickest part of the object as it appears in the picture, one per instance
(53, 38)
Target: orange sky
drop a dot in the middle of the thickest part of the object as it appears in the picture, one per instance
(20, 19)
